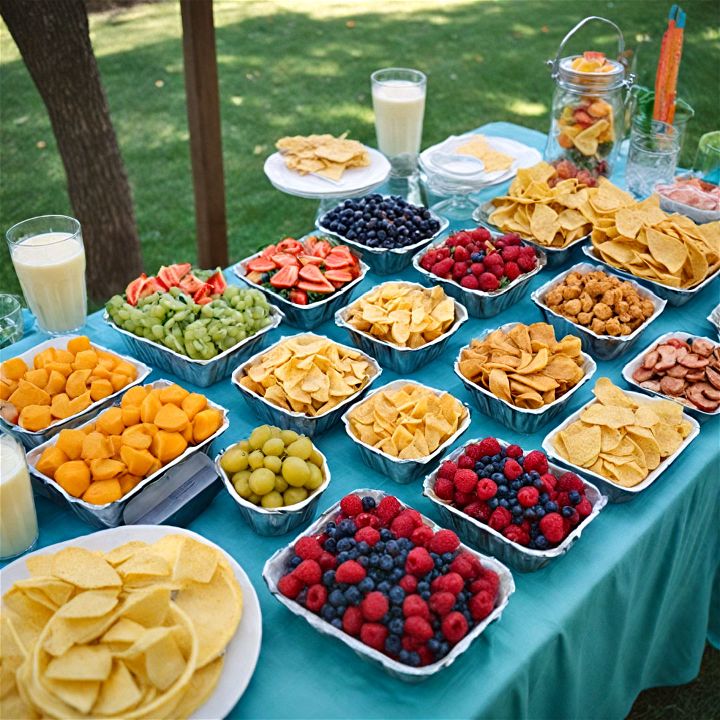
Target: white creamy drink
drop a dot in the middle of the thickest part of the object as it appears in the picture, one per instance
(51, 270)
(18, 521)
(399, 109)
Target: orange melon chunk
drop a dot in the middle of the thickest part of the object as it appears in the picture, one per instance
(35, 417)
(73, 477)
(51, 459)
(171, 418)
(102, 492)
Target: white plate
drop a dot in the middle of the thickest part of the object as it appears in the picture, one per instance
(524, 156)
(355, 181)
(242, 652)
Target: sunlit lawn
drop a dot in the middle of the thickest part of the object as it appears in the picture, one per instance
(302, 66)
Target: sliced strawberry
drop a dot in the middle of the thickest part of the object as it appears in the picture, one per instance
(191, 284)
(339, 276)
(217, 282)
(322, 248)
(285, 277)
(310, 260)
(202, 292)
(336, 261)
(290, 245)
(323, 288)
(311, 273)
(261, 264)
(299, 297)
(283, 258)
(269, 251)
(132, 291)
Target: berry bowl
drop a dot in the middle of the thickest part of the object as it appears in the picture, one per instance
(603, 347)
(402, 470)
(306, 316)
(276, 521)
(301, 423)
(384, 260)
(401, 359)
(367, 635)
(479, 303)
(555, 255)
(522, 420)
(477, 532)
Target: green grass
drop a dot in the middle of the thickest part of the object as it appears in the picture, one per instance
(301, 66)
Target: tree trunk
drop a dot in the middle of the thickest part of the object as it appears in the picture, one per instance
(54, 40)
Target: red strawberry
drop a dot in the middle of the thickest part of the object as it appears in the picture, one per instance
(470, 282)
(512, 271)
(526, 263)
(488, 282)
(459, 269)
(461, 254)
(443, 267)
(477, 269)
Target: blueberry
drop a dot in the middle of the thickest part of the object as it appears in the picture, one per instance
(551, 506)
(342, 557)
(518, 520)
(397, 574)
(444, 648)
(295, 561)
(379, 546)
(422, 586)
(516, 510)
(541, 542)
(345, 544)
(544, 497)
(515, 485)
(397, 595)
(399, 561)
(539, 512)
(328, 578)
(505, 503)
(534, 475)
(539, 484)
(330, 545)
(530, 514)
(352, 595)
(438, 562)
(386, 562)
(366, 585)
(384, 587)
(467, 616)
(336, 623)
(448, 557)
(413, 659)
(353, 554)
(327, 612)
(396, 611)
(568, 511)
(393, 645)
(363, 560)
(490, 469)
(476, 257)
(347, 528)
(404, 656)
(575, 497)
(363, 548)
(336, 598)
(330, 528)
(392, 548)
(405, 543)
(396, 626)
(374, 560)
(425, 595)
(493, 503)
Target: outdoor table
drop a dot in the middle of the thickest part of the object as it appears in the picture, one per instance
(630, 606)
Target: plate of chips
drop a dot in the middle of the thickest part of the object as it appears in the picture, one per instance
(323, 166)
(138, 621)
(487, 539)
(523, 376)
(402, 324)
(602, 296)
(623, 439)
(303, 382)
(402, 427)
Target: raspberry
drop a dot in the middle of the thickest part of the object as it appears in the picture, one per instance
(374, 605)
(461, 254)
(350, 572)
(574, 518)
(478, 510)
(444, 488)
(510, 253)
(511, 239)
(474, 451)
(327, 561)
(387, 509)
(536, 460)
(454, 627)
(570, 481)
(477, 269)
(486, 488)
(290, 586)
(419, 562)
(466, 480)
(466, 565)
(426, 657)
(441, 603)
(500, 518)
(525, 263)
(367, 534)
(451, 582)
(488, 282)
(481, 605)
(316, 597)
(480, 234)
(352, 620)
(516, 534)
(366, 520)
(459, 269)
(488, 446)
(374, 635)
(512, 271)
(513, 451)
(351, 505)
(461, 499)
(512, 469)
(419, 628)
(308, 548)
(584, 507)
(402, 526)
(562, 499)
(465, 462)
(308, 572)
(494, 259)
(442, 268)
(447, 470)
(421, 536)
(489, 581)
(415, 605)
(549, 481)
(408, 583)
(528, 496)
(411, 644)
(444, 541)
(551, 527)
(470, 282)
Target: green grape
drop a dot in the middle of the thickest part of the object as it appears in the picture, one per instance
(256, 459)
(280, 483)
(274, 446)
(316, 477)
(241, 483)
(272, 500)
(244, 445)
(315, 457)
(272, 462)
(295, 471)
(259, 436)
(254, 499)
(301, 448)
(262, 481)
(288, 436)
(233, 460)
(294, 495)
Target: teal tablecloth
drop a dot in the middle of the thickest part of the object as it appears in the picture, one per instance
(629, 607)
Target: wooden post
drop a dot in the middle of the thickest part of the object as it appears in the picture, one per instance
(203, 107)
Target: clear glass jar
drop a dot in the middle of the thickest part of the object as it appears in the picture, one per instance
(588, 108)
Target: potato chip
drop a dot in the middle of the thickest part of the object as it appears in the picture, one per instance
(81, 662)
(323, 155)
(84, 569)
(525, 366)
(409, 422)
(634, 436)
(492, 160)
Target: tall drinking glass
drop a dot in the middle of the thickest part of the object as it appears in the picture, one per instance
(398, 96)
(18, 519)
(707, 159)
(49, 259)
(652, 156)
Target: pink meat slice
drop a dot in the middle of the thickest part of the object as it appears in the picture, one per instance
(668, 357)
(672, 386)
(695, 376)
(653, 385)
(694, 361)
(702, 347)
(678, 371)
(642, 374)
(709, 391)
(651, 359)
(696, 397)
(713, 376)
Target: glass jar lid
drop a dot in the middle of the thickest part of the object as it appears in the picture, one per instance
(590, 81)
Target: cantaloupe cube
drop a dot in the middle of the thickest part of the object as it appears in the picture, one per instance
(55, 383)
(171, 418)
(85, 360)
(96, 446)
(14, 368)
(128, 482)
(149, 408)
(205, 423)
(102, 492)
(35, 417)
(60, 406)
(80, 403)
(76, 384)
(78, 344)
(50, 460)
(193, 404)
(41, 359)
(28, 394)
(63, 356)
(71, 442)
(138, 461)
(73, 477)
(166, 446)
(65, 369)
(136, 437)
(125, 368)
(118, 381)
(39, 378)
(110, 422)
(100, 389)
(173, 394)
(130, 415)
(105, 468)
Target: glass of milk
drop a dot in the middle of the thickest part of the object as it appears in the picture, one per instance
(398, 96)
(18, 520)
(49, 259)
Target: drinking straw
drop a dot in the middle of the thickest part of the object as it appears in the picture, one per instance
(668, 66)
(675, 57)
